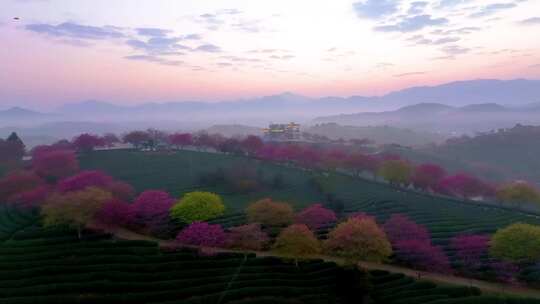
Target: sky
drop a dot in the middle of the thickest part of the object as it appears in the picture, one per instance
(133, 51)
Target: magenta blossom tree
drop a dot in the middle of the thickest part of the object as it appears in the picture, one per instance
(87, 142)
(180, 140)
(202, 234)
(18, 182)
(31, 198)
(470, 249)
(84, 180)
(315, 217)
(422, 255)
(399, 227)
(463, 185)
(151, 209)
(114, 213)
(428, 176)
(505, 271)
(51, 163)
(252, 144)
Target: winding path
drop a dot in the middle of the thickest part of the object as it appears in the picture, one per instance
(487, 287)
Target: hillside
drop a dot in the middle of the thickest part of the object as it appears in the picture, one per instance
(379, 134)
(103, 269)
(436, 117)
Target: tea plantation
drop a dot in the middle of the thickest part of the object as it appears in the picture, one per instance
(180, 172)
(40, 265)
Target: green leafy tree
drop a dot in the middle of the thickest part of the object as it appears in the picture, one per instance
(270, 213)
(396, 171)
(197, 207)
(358, 239)
(75, 209)
(516, 243)
(297, 241)
(518, 192)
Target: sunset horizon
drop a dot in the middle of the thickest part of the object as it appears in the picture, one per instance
(58, 52)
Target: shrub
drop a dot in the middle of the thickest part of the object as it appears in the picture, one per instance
(198, 206)
(268, 212)
(358, 239)
(248, 237)
(316, 216)
(297, 241)
(517, 242)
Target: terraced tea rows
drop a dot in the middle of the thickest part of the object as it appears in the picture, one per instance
(393, 288)
(53, 266)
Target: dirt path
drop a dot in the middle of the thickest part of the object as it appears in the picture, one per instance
(487, 287)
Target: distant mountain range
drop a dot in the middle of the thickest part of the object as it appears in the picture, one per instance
(437, 117)
(473, 96)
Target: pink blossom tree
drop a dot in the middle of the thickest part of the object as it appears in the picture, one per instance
(470, 249)
(202, 234)
(427, 176)
(18, 182)
(505, 271)
(114, 213)
(84, 180)
(180, 140)
(252, 144)
(53, 164)
(316, 216)
(422, 255)
(110, 139)
(31, 198)
(399, 227)
(87, 142)
(121, 190)
(247, 237)
(151, 209)
(462, 185)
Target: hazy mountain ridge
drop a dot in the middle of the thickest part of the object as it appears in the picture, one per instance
(492, 96)
(436, 117)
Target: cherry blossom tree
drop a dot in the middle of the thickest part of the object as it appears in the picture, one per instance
(316, 216)
(297, 241)
(270, 213)
(427, 176)
(422, 255)
(54, 164)
(247, 237)
(87, 142)
(18, 182)
(202, 234)
(470, 249)
(462, 185)
(399, 227)
(85, 179)
(137, 138)
(114, 213)
(180, 140)
(358, 239)
(151, 209)
(396, 171)
(252, 144)
(32, 198)
(75, 209)
(109, 139)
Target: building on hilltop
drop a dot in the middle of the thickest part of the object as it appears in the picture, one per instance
(282, 132)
